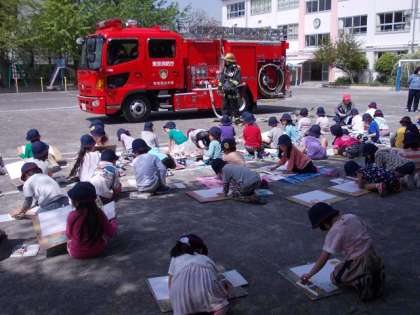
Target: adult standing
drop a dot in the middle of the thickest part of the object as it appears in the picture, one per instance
(343, 111)
(229, 82)
(414, 91)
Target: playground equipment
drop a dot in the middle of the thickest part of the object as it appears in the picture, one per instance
(404, 64)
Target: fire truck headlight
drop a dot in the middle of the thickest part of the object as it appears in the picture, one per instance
(96, 103)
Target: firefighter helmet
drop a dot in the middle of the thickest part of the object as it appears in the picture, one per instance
(230, 58)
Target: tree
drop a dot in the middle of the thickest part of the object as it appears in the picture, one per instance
(345, 54)
(197, 17)
(385, 65)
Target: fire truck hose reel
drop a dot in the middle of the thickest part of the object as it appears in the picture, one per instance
(270, 80)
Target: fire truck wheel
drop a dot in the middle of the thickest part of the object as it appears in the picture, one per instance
(137, 108)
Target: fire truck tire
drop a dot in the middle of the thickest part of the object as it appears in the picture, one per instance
(137, 108)
(271, 80)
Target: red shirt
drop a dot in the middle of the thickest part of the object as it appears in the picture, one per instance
(78, 247)
(252, 136)
(344, 142)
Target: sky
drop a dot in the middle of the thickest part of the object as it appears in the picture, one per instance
(212, 7)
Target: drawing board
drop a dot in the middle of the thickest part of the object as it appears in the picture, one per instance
(25, 250)
(6, 218)
(208, 195)
(312, 197)
(13, 169)
(339, 180)
(109, 210)
(210, 181)
(320, 285)
(349, 188)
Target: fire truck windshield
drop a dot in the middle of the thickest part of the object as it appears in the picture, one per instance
(91, 53)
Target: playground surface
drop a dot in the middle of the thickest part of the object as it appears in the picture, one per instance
(258, 241)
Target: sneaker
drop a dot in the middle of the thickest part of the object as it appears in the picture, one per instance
(417, 180)
(139, 196)
(381, 189)
(409, 182)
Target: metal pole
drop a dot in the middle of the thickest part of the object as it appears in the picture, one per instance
(42, 84)
(16, 85)
(414, 9)
(398, 80)
(65, 84)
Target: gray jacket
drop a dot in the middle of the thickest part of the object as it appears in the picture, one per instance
(414, 82)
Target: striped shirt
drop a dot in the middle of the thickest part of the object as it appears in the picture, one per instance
(412, 155)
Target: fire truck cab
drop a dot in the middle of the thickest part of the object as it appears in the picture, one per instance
(133, 71)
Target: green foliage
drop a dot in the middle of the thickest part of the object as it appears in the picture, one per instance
(343, 81)
(407, 68)
(384, 66)
(345, 54)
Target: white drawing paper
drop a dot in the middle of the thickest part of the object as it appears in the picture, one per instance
(235, 278)
(54, 221)
(6, 218)
(315, 196)
(25, 250)
(209, 193)
(322, 278)
(109, 210)
(132, 182)
(339, 181)
(349, 187)
(13, 169)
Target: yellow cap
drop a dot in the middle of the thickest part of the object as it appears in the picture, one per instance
(230, 57)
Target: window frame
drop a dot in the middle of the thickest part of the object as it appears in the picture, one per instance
(381, 27)
(262, 10)
(317, 3)
(110, 41)
(237, 14)
(317, 38)
(283, 5)
(161, 39)
(353, 27)
(295, 35)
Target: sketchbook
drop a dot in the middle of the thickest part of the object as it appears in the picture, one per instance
(25, 250)
(312, 197)
(208, 195)
(159, 288)
(320, 285)
(349, 188)
(339, 181)
(14, 169)
(6, 218)
(109, 210)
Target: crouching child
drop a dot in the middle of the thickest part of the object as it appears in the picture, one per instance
(240, 180)
(361, 269)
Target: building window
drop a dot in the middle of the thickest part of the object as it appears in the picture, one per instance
(355, 24)
(292, 30)
(318, 5)
(235, 10)
(260, 6)
(315, 40)
(393, 22)
(287, 4)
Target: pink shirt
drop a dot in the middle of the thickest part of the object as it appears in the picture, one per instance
(78, 247)
(349, 236)
(297, 159)
(344, 142)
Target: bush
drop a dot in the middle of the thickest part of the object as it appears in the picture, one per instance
(343, 81)
(384, 66)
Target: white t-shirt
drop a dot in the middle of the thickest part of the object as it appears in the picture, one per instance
(42, 188)
(274, 134)
(324, 123)
(357, 124)
(382, 123)
(43, 165)
(150, 138)
(371, 112)
(304, 124)
(128, 142)
(178, 263)
(89, 165)
(105, 179)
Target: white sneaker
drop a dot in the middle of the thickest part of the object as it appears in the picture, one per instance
(409, 182)
(417, 180)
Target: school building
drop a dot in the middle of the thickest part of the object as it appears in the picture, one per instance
(379, 25)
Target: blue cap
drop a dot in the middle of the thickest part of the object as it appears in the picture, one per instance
(121, 132)
(32, 135)
(215, 132)
(354, 111)
(314, 131)
(39, 149)
(336, 130)
(226, 120)
(97, 131)
(148, 126)
(139, 145)
(82, 191)
(320, 111)
(284, 140)
(26, 168)
(286, 117)
(304, 112)
(170, 125)
(249, 119)
(366, 117)
(272, 121)
(87, 141)
(96, 122)
(109, 155)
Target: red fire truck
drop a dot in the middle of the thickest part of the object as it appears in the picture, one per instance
(133, 71)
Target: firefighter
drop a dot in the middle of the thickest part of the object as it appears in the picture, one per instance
(229, 82)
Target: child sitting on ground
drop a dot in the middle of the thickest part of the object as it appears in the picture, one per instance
(372, 128)
(304, 123)
(357, 124)
(88, 229)
(215, 150)
(252, 136)
(198, 141)
(411, 150)
(32, 136)
(390, 160)
(195, 285)
(397, 139)
(312, 146)
(124, 136)
(272, 136)
(227, 130)
(373, 178)
(177, 138)
(230, 155)
(240, 180)
(372, 107)
(40, 188)
(297, 162)
(149, 136)
(343, 144)
(362, 269)
(106, 177)
(99, 135)
(149, 171)
(40, 156)
(289, 128)
(322, 120)
(87, 160)
(383, 126)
